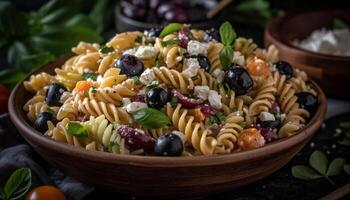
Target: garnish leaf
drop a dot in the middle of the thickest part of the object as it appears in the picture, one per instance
(344, 142)
(76, 129)
(227, 33)
(136, 80)
(226, 56)
(347, 169)
(138, 39)
(151, 118)
(90, 75)
(105, 49)
(174, 101)
(304, 172)
(18, 184)
(153, 84)
(340, 24)
(336, 167)
(318, 160)
(170, 28)
(112, 144)
(345, 125)
(169, 42)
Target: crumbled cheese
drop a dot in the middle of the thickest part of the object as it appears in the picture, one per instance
(130, 51)
(147, 76)
(283, 117)
(219, 75)
(195, 48)
(201, 92)
(266, 116)
(126, 101)
(99, 79)
(146, 52)
(191, 67)
(215, 99)
(135, 106)
(142, 92)
(238, 58)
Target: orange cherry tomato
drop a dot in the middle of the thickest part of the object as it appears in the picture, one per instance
(257, 66)
(4, 98)
(45, 192)
(83, 86)
(250, 138)
(197, 114)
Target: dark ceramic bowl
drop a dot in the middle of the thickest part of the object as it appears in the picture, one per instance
(124, 23)
(331, 72)
(167, 177)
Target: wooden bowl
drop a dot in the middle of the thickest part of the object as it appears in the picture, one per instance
(163, 177)
(331, 72)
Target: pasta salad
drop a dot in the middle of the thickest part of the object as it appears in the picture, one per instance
(171, 91)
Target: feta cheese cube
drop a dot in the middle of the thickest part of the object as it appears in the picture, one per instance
(238, 58)
(201, 92)
(135, 106)
(191, 67)
(219, 75)
(126, 101)
(147, 76)
(195, 48)
(130, 51)
(146, 52)
(215, 99)
(266, 116)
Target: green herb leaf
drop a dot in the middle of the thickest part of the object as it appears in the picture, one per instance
(344, 141)
(169, 42)
(226, 56)
(345, 125)
(136, 80)
(111, 145)
(50, 110)
(304, 172)
(86, 94)
(174, 101)
(227, 33)
(170, 28)
(318, 160)
(138, 39)
(77, 130)
(347, 169)
(153, 84)
(340, 24)
(18, 184)
(90, 75)
(336, 167)
(151, 118)
(94, 90)
(105, 49)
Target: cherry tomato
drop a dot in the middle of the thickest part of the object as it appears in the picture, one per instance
(45, 192)
(4, 98)
(197, 114)
(257, 66)
(250, 138)
(83, 86)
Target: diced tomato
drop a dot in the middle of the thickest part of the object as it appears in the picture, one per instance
(250, 138)
(197, 114)
(83, 86)
(45, 192)
(257, 66)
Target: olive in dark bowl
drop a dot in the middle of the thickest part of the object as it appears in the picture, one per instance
(129, 65)
(284, 68)
(239, 80)
(54, 93)
(40, 123)
(307, 101)
(169, 145)
(157, 98)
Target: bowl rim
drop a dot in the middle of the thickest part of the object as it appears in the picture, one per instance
(275, 23)
(26, 130)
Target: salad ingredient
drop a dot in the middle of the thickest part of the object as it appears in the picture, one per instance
(307, 101)
(186, 102)
(54, 93)
(136, 138)
(239, 80)
(284, 68)
(257, 66)
(151, 118)
(40, 123)
(169, 144)
(45, 192)
(130, 65)
(250, 139)
(157, 98)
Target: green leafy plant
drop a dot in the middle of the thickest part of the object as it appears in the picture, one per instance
(344, 136)
(30, 40)
(319, 167)
(151, 118)
(17, 185)
(77, 130)
(152, 84)
(340, 24)
(228, 35)
(170, 28)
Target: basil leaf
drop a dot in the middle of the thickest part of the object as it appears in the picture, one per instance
(336, 167)
(76, 129)
(226, 56)
(227, 33)
(138, 39)
(304, 172)
(340, 24)
(151, 118)
(153, 84)
(347, 169)
(345, 125)
(170, 28)
(90, 75)
(344, 142)
(169, 42)
(105, 49)
(136, 80)
(18, 184)
(318, 160)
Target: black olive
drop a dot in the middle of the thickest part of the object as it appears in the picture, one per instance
(153, 32)
(203, 62)
(169, 144)
(40, 123)
(54, 93)
(307, 101)
(284, 68)
(157, 98)
(130, 65)
(239, 80)
(273, 124)
(212, 34)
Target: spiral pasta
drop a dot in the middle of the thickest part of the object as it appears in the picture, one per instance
(245, 46)
(214, 55)
(38, 82)
(124, 41)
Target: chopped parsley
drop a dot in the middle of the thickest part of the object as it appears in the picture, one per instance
(93, 90)
(76, 129)
(174, 101)
(105, 49)
(86, 94)
(50, 110)
(217, 118)
(90, 75)
(138, 39)
(136, 80)
(111, 145)
(153, 84)
(169, 42)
